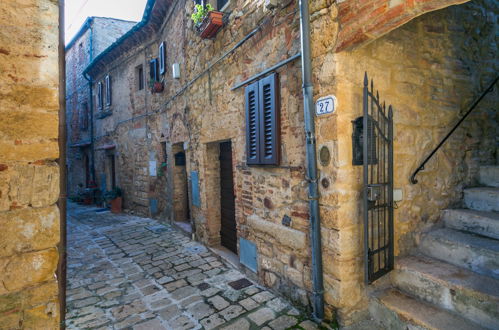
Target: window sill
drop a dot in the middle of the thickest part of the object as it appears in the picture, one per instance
(104, 114)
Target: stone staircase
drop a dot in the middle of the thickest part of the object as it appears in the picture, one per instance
(453, 280)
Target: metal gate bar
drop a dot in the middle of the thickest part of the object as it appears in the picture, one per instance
(378, 184)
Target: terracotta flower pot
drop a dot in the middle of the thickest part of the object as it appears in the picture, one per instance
(157, 87)
(211, 24)
(116, 205)
(87, 201)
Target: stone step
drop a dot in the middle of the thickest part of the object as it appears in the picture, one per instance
(482, 199)
(489, 176)
(396, 310)
(474, 252)
(478, 222)
(473, 296)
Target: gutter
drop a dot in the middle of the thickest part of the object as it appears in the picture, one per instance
(145, 19)
(312, 175)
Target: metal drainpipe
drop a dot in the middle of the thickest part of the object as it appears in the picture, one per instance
(308, 102)
(91, 106)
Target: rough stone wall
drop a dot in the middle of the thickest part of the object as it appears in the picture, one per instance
(439, 71)
(99, 35)
(429, 70)
(29, 174)
(141, 120)
(77, 95)
(106, 31)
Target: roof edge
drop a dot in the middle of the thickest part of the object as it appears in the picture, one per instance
(138, 26)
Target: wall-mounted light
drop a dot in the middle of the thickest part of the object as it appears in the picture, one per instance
(176, 71)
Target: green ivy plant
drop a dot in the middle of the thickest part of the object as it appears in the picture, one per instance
(201, 12)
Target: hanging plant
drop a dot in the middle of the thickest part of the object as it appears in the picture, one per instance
(201, 12)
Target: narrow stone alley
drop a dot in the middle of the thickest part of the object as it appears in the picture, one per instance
(131, 272)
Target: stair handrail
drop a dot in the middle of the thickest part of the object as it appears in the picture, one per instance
(473, 106)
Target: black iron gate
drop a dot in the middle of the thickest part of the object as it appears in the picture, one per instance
(377, 146)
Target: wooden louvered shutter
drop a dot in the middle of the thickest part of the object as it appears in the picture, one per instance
(269, 121)
(252, 125)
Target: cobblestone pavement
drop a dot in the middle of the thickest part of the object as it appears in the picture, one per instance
(131, 272)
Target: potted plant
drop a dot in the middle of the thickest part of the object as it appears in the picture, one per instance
(115, 198)
(207, 20)
(156, 86)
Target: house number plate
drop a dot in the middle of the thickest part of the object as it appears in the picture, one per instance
(326, 105)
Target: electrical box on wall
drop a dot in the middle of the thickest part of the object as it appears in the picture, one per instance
(176, 71)
(358, 141)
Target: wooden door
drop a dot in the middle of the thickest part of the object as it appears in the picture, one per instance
(228, 232)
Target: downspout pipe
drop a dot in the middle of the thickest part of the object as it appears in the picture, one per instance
(312, 175)
(91, 105)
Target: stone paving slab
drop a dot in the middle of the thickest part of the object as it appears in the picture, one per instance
(126, 272)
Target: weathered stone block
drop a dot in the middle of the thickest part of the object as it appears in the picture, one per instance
(28, 230)
(20, 271)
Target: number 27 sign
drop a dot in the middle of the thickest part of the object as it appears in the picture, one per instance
(326, 105)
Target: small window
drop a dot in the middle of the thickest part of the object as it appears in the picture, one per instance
(139, 77)
(153, 70)
(162, 58)
(84, 117)
(263, 122)
(164, 157)
(99, 96)
(109, 95)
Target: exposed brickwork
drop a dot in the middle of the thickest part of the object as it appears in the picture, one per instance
(29, 174)
(361, 21)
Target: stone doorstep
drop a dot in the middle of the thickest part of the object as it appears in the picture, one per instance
(465, 250)
(482, 199)
(395, 310)
(464, 292)
(478, 222)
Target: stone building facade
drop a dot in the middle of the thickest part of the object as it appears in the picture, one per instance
(181, 148)
(29, 171)
(96, 34)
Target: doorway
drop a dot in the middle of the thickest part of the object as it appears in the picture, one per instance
(228, 230)
(181, 207)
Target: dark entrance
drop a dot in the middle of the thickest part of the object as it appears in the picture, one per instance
(228, 232)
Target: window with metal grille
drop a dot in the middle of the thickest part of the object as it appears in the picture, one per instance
(84, 117)
(262, 122)
(109, 95)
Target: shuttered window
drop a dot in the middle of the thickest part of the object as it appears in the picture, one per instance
(262, 122)
(109, 92)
